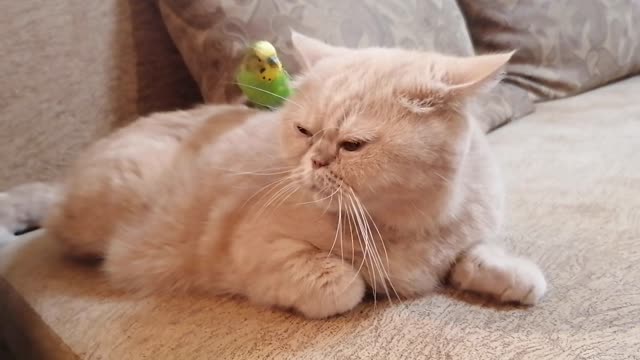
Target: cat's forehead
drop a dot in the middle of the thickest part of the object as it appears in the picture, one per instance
(373, 71)
(364, 87)
(343, 82)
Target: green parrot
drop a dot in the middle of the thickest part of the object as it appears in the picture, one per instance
(262, 78)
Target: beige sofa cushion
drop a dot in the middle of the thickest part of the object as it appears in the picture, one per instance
(565, 47)
(212, 36)
(72, 70)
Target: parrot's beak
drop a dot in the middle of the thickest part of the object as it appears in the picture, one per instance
(274, 61)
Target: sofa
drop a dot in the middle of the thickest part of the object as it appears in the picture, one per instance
(73, 71)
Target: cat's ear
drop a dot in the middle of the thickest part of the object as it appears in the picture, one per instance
(476, 74)
(310, 50)
(465, 77)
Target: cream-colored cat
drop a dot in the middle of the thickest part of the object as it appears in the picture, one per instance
(373, 175)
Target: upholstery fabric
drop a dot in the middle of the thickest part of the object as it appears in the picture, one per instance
(565, 47)
(71, 70)
(212, 36)
(573, 177)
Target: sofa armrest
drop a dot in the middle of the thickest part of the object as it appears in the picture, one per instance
(23, 333)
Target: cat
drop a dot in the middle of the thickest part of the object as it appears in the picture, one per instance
(372, 177)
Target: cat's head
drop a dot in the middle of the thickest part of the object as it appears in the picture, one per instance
(386, 125)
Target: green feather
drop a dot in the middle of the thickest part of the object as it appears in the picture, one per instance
(268, 94)
(261, 76)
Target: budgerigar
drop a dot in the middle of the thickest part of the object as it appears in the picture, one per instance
(262, 77)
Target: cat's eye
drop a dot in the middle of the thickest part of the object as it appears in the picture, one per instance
(351, 145)
(303, 131)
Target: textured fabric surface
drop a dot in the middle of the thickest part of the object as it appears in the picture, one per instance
(573, 176)
(212, 36)
(565, 47)
(71, 70)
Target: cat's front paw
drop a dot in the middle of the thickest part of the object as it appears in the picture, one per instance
(334, 289)
(489, 270)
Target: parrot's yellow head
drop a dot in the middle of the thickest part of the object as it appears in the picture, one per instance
(265, 61)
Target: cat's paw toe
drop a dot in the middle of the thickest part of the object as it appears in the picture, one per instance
(334, 296)
(463, 274)
(526, 285)
(505, 277)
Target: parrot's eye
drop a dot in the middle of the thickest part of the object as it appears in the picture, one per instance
(351, 145)
(303, 131)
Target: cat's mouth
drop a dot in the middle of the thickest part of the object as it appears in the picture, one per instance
(325, 183)
(324, 189)
(320, 191)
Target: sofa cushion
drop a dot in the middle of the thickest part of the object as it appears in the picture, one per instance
(73, 70)
(212, 36)
(565, 47)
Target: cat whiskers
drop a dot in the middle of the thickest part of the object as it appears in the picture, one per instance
(353, 249)
(263, 172)
(386, 276)
(339, 227)
(328, 205)
(356, 224)
(363, 237)
(280, 196)
(363, 217)
(446, 181)
(267, 92)
(271, 187)
(330, 197)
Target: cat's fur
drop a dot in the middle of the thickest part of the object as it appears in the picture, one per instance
(189, 200)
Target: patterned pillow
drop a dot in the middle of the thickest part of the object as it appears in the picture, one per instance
(565, 47)
(212, 35)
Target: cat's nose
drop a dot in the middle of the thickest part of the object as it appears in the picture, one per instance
(318, 162)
